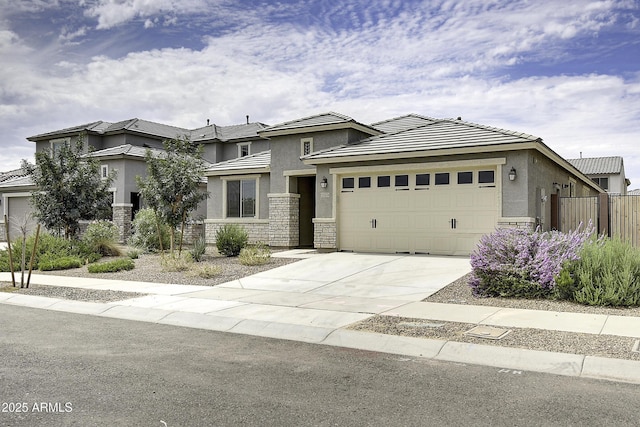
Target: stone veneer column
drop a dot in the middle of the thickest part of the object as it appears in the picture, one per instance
(284, 220)
(325, 234)
(122, 219)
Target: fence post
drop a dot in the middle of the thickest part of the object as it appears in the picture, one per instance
(603, 214)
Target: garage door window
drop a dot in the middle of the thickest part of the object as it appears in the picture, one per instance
(442, 178)
(465, 177)
(402, 180)
(364, 182)
(348, 183)
(384, 181)
(423, 179)
(486, 177)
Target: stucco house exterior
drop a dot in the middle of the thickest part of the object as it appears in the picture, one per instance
(410, 184)
(607, 172)
(121, 147)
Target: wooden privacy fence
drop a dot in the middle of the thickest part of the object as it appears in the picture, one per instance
(613, 215)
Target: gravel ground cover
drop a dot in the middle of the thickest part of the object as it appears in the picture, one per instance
(148, 269)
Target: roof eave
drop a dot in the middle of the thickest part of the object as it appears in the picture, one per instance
(422, 153)
(243, 171)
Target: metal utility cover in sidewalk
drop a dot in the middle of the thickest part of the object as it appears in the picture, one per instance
(487, 332)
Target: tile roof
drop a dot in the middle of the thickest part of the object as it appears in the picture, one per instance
(227, 133)
(125, 150)
(148, 128)
(220, 133)
(440, 134)
(316, 121)
(74, 130)
(12, 174)
(401, 123)
(258, 161)
(17, 181)
(598, 165)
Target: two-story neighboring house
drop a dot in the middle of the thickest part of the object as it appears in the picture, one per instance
(607, 172)
(121, 147)
(410, 184)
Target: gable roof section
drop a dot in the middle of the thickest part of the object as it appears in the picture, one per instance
(401, 123)
(439, 135)
(148, 128)
(243, 132)
(598, 165)
(254, 163)
(125, 150)
(98, 126)
(17, 181)
(317, 123)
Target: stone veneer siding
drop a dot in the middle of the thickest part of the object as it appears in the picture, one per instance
(122, 219)
(284, 220)
(325, 234)
(258, 230)
(526, 223)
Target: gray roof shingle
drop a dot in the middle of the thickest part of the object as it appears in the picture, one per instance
(598, 165)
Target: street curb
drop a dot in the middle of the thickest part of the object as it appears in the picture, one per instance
(566, 364)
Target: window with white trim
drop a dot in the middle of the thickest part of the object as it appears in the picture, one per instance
(241, 198)
(244, 149)
(104, 171)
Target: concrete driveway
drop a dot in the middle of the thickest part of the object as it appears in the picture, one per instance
(398, 277)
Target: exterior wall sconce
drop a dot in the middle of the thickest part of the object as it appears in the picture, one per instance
(512, 174)
(324, 183)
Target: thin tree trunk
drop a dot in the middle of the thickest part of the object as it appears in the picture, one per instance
(33, 254)
(6, 229)
(155, 214)
(182, 233)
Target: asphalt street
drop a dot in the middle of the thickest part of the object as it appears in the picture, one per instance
(67, 369)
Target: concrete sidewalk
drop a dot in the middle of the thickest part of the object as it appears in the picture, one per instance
(315, 299)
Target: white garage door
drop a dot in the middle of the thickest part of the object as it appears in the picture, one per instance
(437, 212)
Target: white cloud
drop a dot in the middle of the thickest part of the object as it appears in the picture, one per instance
(450, 62)
(111, 13)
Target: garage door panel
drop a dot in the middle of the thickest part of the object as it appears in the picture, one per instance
(418, 219)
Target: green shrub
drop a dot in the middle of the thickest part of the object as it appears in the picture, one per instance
(199, 248)
(145, 232)
(205, 271)
(59, 263)
(112, 266)
(102, 237)
(607, 273)
(230, 239)
(49, 248)
(171, 263)
(258, 254)
(133, 254)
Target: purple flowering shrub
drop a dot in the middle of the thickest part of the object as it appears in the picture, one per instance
(513, 262)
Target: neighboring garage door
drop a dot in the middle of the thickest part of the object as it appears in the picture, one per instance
(436, 212)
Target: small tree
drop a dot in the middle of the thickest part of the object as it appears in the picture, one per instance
(70, 188)
(172, 185)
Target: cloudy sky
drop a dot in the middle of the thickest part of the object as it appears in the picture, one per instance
(565, 70)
